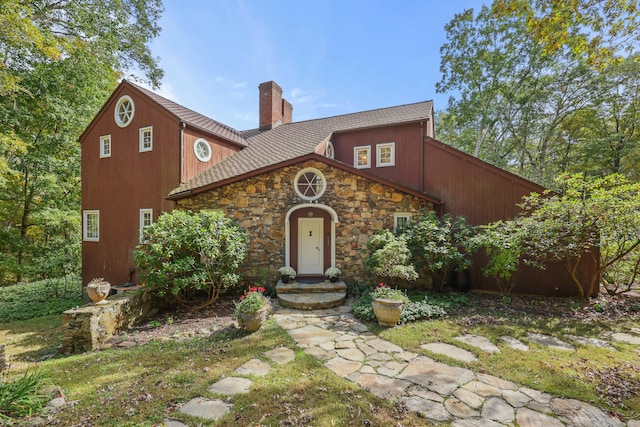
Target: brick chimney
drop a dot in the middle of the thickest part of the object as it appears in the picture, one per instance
(274, 110)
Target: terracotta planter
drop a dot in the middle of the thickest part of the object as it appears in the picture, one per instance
(252, 321)
(98, 292)
(387, 311)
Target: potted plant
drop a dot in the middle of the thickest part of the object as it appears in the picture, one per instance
(286, 274)
(333, 274)
(98, 290)
(388, 304)
(252, 309)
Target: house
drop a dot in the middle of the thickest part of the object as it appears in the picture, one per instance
(309, 193)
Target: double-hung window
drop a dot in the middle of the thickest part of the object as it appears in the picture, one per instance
(362, 157)
(146, 219)
(386, 155)
(91, 225)
(105, 146)
(400, 220)
(146, 139)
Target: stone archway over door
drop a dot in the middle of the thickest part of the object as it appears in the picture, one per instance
(310, 238)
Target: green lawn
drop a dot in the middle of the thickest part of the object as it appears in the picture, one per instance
(143, 385)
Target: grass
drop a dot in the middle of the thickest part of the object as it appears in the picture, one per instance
(584, 374)
(29, 300)
(141, 386)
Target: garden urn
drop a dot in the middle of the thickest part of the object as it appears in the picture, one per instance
(253, 320)
(387, 311)
(98, 291)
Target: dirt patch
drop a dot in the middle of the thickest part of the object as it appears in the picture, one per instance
(179, 323)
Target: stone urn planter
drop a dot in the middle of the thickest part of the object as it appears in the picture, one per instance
(98, 290)
(387, 311)
(253, 320)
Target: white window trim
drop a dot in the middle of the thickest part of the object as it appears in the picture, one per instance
(116, 116)
(330, 150)
(318, 174)
(355, 156)
(85, 229)
(103, 139)
(379, 148)
(142, 131)
(143, 212)
(397, 215)
(195, 149)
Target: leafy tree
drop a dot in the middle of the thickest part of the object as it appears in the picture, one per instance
(440, 245)
(512, 96)
(597, 29)
(59, 61)
(595, 218)
(187, 254)
(389, 258)
(502, 242)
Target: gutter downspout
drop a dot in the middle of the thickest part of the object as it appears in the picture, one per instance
(422, 156)
(183, 125)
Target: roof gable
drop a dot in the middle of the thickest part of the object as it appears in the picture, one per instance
(298, 139)
(182, 114)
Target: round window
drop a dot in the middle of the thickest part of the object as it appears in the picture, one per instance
(310, 184)
(202, 150)
(329, 151)
(124, 111)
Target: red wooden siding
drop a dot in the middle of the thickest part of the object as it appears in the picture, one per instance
(142, 180)
(220, 150)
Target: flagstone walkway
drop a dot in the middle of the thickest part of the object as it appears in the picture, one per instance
(435, 390)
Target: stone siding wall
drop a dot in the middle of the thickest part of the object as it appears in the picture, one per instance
(260, 205)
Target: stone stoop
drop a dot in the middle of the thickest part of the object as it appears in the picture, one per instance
(311, 296)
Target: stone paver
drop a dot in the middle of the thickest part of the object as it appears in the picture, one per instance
(451, 351)
(231, 386)
(254, 367)
(550, 341)
(281, 355)
(206, 408)
(514, 342)
(624, 338)
(479, 342)
(594, 342)
(436, 391)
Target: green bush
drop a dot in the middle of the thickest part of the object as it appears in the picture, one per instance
(22, 396)
(389, 258)
(37, 299)
(191, 256)
(421, 306)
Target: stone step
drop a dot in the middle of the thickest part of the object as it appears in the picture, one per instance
(312, 301)
(310, 288)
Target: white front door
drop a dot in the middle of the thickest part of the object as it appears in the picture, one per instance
(310, 247)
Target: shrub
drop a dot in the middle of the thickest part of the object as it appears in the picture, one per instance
(389, 258)
(22, 396)
(421, 306)
(188, 254)
(439, 245)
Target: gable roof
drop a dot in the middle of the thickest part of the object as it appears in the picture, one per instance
(182, 114)
(293, 140)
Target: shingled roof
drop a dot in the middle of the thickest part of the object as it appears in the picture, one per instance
(293, 140)
(195, 120)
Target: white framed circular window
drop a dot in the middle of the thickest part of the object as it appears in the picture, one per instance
(124, 111)
(329, 151)
(310, 184)
(202, 150)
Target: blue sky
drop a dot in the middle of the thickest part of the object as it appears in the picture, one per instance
(329, 56)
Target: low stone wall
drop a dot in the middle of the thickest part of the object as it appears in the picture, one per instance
(88, 327)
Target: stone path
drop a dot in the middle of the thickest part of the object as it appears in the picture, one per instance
(435, 390)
